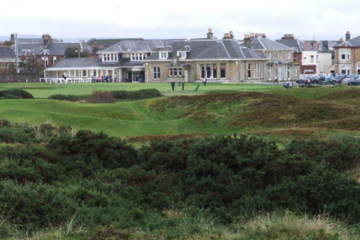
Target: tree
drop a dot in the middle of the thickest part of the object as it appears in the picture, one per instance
(75, 52)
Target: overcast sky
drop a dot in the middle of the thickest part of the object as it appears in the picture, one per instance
(307, 19)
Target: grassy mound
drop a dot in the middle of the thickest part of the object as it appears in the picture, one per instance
(352, 93)
(14, 94)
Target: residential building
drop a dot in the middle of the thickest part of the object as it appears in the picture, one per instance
(44, 51)
(347, 55)
(7, 60)
(280, 65)
(167, 60)
(297, 46)
(310, 57)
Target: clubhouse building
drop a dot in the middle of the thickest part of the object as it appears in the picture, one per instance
(167, 60)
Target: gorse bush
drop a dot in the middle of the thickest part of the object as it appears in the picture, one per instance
(101, 97)
(71, 98)
(110, 96)
(135, 95)
(14, 94)
(24, 133)
(103, 180)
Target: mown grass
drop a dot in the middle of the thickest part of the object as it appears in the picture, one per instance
(268, 114)
(266, 110)
(42, 90)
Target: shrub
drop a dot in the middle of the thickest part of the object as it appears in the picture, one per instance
(14, 94)
(16, 135)
(136, 95)
(72, 98)
(101, 97)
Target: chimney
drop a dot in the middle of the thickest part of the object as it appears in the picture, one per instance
(288, 36)
(229, 35)
(210, 34)
(248, 39)
(47, 39)
(348, 36)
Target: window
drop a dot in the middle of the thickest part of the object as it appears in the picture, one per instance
(156, 72)
(345, 56)
(214, 70)
(163, 55)
(181, 54)
(223, 70)
(209, 71)
(54, 60)
(312, 58)
(176, 72)
(203, 71)
(253, 71)
(137, 56)
(84, 73)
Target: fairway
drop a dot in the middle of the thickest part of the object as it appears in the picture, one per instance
(43, 90)
(216, 109)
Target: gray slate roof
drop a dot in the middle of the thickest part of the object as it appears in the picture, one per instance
(295, 44)
(91, 62)
(139, 45)
(6, 52)
(355, 42)
(260, 43)
(327, 46)
(57, 48)
(199, 49)
(212, 49)
(77, 63)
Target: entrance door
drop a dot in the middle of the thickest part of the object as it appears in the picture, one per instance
(138, 76)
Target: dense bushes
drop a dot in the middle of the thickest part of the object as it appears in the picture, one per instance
(103, 180)
(72, 98)
(24, 133)
(110, 96)
(135, 95)
(101, 97)
(14, 94)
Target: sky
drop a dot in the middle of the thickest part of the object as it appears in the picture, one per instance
(79, 19)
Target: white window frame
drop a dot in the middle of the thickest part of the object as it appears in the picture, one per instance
(163, 55)
(137, 56)
(181, 54)
(176, 72)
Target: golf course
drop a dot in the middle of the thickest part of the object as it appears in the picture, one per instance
(266, 110)
(144, 162)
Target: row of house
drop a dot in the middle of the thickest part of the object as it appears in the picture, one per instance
(254, 58)
(35, 54)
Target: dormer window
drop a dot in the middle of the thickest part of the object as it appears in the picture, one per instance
(181, 54)
(110, 57)
(163, 55)
(138, 56)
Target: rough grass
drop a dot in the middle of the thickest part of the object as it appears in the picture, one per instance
(292, 227)
(227, 109)
(286, 226)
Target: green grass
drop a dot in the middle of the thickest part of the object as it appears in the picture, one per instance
(308, 115)
(42, 90)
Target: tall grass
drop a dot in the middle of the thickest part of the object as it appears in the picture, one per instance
(277, 226)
